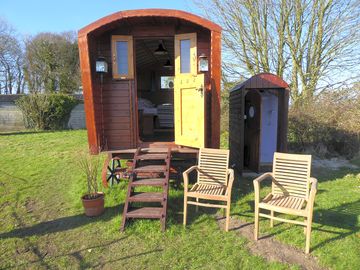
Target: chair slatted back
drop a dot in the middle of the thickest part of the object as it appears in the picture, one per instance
(292, 175)
(213, 166)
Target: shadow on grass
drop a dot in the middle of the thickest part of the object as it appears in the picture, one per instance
(343, 217)
(61, 224)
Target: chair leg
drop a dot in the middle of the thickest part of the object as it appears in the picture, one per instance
(227, 217)
(308, 234)
(256, 227)
(271, 220)
(185, 209)
(197, 207)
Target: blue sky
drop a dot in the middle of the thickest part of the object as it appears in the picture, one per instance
(32, 16)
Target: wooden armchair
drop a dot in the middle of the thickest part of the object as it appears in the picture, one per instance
(291, 192)
(214, 182)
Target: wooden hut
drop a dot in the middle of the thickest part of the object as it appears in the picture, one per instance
(162, 82)
(258, 121)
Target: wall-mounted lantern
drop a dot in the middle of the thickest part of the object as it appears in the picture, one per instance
(203, 63)
(101, 65)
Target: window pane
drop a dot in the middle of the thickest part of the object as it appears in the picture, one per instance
(122, 57)
(167, 82)
(185, 56)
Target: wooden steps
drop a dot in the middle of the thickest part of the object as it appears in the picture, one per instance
(146, 197)
(150, 169)
(151, 157)
(145, 212)
(146, 164)
(155, 182)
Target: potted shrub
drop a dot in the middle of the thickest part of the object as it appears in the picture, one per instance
(93, 200)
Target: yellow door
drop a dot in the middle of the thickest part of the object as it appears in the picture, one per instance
(189, 94)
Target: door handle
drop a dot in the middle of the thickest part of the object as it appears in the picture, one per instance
(201, 90)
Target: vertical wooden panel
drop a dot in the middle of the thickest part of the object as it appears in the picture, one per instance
(88, 93)
(215, 88)
(252, 130)
(236, 128)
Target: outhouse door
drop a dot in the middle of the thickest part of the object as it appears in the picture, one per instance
(252, 130)
(189, 94)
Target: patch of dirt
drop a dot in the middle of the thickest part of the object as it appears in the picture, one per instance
(269, 248)
(30, 205)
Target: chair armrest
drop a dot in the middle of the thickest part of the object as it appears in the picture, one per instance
(263, 177)
(186, 176)
(230, 181)
(314, 184)
(257, 182)
(313, 190)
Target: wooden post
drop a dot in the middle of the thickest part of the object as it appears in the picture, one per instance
(271, 220)
(227, 215)
(185, 208)
(256, 229)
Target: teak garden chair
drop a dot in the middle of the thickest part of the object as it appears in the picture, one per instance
(291, 192)
(214, 182)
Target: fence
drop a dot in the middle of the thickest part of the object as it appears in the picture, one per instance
(11, 118)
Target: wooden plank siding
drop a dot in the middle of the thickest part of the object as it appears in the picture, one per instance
(236, 129)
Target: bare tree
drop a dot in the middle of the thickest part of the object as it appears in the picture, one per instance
(11, 61)
(310, 43)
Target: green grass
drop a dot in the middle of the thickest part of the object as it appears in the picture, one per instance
(42, 223)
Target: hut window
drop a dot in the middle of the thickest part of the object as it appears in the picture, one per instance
(122, 51)
(185, 56)
(167, 82)
(121, 57)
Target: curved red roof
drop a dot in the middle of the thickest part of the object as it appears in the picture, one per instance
(262, 80)
(171, 13)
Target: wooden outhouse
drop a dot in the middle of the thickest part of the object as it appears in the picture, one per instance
(162, 82)
(258, 121)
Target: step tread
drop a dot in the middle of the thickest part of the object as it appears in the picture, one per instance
(145, 212)
(151, 168)
(152, 156)
(153, 150)
(147, 197)
(149, 182)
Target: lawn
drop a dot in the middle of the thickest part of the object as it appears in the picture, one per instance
(42, 223)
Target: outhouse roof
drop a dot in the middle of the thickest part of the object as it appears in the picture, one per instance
(262, 81)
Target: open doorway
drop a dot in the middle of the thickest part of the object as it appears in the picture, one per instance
(155, 89)
(260, 128)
